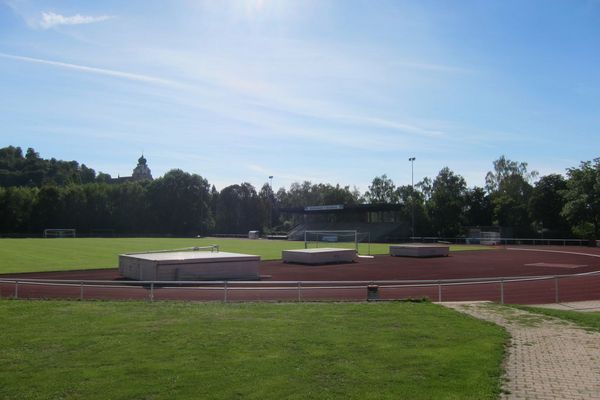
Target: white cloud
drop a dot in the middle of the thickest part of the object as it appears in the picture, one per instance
(94, 70)
(432, 67)
(50, 19)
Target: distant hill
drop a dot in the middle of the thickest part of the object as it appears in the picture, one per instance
(32, 170)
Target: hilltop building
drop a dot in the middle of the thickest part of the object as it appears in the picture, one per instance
(140, 173)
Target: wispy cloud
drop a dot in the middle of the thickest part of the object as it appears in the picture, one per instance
(433, 67)
(93, 70)
(274, 94)
(50, 19)
(390, 124)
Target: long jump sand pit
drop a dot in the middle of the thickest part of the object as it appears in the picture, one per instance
(320, 256)
(465, 275)
(420, 250)
(189, 266)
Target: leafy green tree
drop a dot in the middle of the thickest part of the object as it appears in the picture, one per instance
(16, 206)
(103, 178)
(238, 210)
(329, 194)
(131, 209)
(410, 198)
(478, 208)
(74, 208)
(47, 209)
(546, 204)
(99, 207)
(582, 206)
(447, 203)
(510, 204)
(88, 175)
(11, 166)
(179, 203)
(300, 195)
(269, 213)
(213, 203)
(33, 170)
(505, 168)
(382, 190)
(509, 188)
(425, 187)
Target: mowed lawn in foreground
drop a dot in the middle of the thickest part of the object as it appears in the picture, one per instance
(35, 255)
(174, 350)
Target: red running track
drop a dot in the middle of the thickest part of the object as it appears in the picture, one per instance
(521, 262)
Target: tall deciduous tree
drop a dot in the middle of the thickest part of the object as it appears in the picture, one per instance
(414, 201)
(582, 207)
(546, 204)
(505, 168)
(509, 187)
(238, 210)
(478, 207)
(179, 202)
(447, 203)
(382, 190)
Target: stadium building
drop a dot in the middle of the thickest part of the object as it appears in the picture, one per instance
(384, 222)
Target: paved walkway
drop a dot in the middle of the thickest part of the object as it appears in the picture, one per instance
(547, 358)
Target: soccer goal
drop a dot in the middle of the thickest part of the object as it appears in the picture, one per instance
(348, 239)
(59, 233)
(490, 238)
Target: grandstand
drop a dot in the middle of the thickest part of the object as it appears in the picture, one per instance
(382, 221)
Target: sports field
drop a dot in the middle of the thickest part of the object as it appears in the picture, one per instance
(175, 350)
(36, 255)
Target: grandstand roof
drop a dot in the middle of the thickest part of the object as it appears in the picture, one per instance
(342, 208)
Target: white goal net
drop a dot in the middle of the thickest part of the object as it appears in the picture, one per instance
(348, 239)
(490, 238)
(59, 233)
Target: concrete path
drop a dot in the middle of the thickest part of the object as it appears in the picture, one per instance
(547, 358)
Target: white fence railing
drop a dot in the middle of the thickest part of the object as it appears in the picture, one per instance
(520, 289)
(503, 241)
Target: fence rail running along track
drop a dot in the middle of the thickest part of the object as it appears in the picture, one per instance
(518, 290)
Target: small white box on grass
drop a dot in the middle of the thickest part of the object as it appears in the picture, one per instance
(189, 266)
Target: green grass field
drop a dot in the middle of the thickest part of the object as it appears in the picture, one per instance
(35, 255)
(174, 350)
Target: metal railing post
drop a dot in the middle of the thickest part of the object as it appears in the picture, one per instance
(16, 289)
(225, 292)
(556, 289)
(81, 291)
(151, 291)
(501, 291)
(299, 291)
(439, 292)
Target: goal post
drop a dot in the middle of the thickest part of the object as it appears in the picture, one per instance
(359, 241)
(60, 233)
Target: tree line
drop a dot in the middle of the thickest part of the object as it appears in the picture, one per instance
(37, 193)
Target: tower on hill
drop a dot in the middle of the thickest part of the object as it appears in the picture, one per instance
(141, 172)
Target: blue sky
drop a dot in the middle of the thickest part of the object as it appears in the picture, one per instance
(327, 91)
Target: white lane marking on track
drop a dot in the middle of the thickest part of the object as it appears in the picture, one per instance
(556, 251)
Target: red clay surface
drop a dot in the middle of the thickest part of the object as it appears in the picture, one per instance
(510, 262)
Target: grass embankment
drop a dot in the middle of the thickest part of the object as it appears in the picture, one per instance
(588, 320)
(36, 255)
(134, 350)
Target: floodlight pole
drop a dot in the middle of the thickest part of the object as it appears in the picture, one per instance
(412, 193)
(271, 203)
